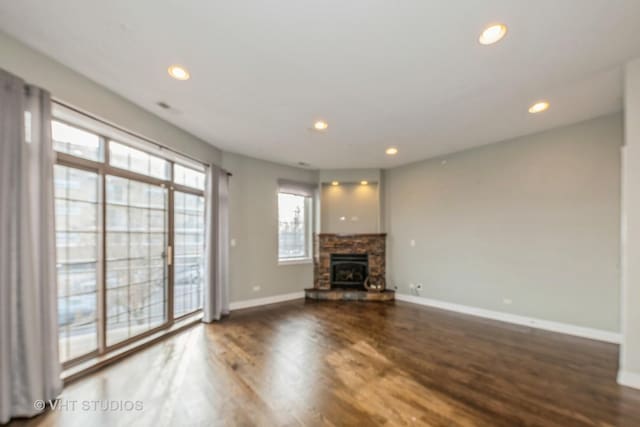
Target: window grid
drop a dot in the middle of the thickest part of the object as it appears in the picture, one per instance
(135, 238)
(152, 310)
(75, 306)
(189, 253)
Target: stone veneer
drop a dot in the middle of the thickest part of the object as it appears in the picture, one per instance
(372, 244)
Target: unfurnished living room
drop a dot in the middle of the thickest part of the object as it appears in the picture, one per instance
(320, 213)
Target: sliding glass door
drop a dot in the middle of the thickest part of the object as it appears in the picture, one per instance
(130, 239)
(136, 260)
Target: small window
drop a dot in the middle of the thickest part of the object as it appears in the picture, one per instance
(125, 157)
(294, 227)
(76, 142)
(188, 177)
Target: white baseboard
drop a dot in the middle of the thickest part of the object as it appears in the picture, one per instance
(629, 379)
(547, 325)
(255, 302)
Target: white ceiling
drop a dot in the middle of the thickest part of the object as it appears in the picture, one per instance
(408, 73)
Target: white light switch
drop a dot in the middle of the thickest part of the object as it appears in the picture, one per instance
(412, 243)
(233, 243)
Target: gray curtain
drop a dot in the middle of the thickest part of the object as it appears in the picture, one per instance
(216, 286)
(29, 362)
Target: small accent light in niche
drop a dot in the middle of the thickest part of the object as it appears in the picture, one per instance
(335, 183)
(391, 151)
(364, 182)
(320, 125)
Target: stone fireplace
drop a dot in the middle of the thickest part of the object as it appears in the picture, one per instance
(344, 261)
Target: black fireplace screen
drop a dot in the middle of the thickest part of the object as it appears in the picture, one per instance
(349, 270)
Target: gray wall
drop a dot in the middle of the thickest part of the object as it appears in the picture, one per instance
(254, 228)
(535, 220)
(66, 85)
(350, 208)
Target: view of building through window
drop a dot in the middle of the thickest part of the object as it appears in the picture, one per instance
(293, 226)
(130, 240)
(136, 234)
(189, 252)
(77, 239)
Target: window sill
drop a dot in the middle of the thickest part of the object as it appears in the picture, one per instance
(295, 261)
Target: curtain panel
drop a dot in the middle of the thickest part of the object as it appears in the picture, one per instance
(216, 287)
(29, 362)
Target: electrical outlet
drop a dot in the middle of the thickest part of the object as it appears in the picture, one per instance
(256, 288)
(507, 301)
(412, 286)
(419, 286)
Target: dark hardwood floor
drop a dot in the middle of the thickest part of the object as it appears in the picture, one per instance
(359, 364)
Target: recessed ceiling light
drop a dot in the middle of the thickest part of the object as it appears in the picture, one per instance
(391, 151)
(334, 183)
(539, 107)
(320, 125)
(492, 34)
(178, 72)
(364, 182)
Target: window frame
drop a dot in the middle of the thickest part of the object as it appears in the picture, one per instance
(104, 168)
(308, 226)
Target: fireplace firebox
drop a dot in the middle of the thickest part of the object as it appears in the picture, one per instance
(349, 270)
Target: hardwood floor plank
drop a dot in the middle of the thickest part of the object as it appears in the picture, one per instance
(345, 363)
